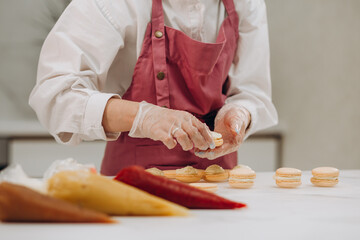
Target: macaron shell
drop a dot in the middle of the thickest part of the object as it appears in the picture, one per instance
(171, 174)
(288, 172)
(236, 184)
(188, 178)
(288, 184)
(201, 172)
(325, 172)
(324, 182)
(215, 135)
(241, 166)
(242, 173)
(220, 177)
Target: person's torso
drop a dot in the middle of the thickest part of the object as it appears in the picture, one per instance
(175, 71)
(198, 19)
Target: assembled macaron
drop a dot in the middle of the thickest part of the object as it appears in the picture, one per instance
(187, 174)
(288, 177)
(209, 187)
(242, 178)
(215, 173)
(217, 137)
(325, 176)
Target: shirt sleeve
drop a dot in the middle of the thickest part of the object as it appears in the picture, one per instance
(249, 75)
(73, 66)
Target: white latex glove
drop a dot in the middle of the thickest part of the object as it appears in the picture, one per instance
(232, 122)
(171, 127)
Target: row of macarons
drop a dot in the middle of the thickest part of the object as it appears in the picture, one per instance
(189, 174)
(242, 176)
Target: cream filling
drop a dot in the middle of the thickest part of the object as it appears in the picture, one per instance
(287, 178)
(326, 178)
(241, 180)
(155, 171)
(189, 170)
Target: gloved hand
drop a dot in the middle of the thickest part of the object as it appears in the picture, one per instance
(170, 127)
(231, 121)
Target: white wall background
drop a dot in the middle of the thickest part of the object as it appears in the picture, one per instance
(315, 63)
(24, 25)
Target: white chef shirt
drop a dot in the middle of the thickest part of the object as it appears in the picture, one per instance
(90, 54)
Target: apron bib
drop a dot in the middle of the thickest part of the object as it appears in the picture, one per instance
(177, 72)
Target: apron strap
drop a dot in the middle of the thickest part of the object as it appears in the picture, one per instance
(159, 54)
(232, 14)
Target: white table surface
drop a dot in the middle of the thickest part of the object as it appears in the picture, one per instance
(306, 212)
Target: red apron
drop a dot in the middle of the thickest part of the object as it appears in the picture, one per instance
(177, 72)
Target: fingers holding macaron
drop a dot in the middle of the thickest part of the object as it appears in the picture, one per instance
(183, 139)
(215, 152)
(193, 133)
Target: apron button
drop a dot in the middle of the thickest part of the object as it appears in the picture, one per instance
(160, 75)
(158, 34)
